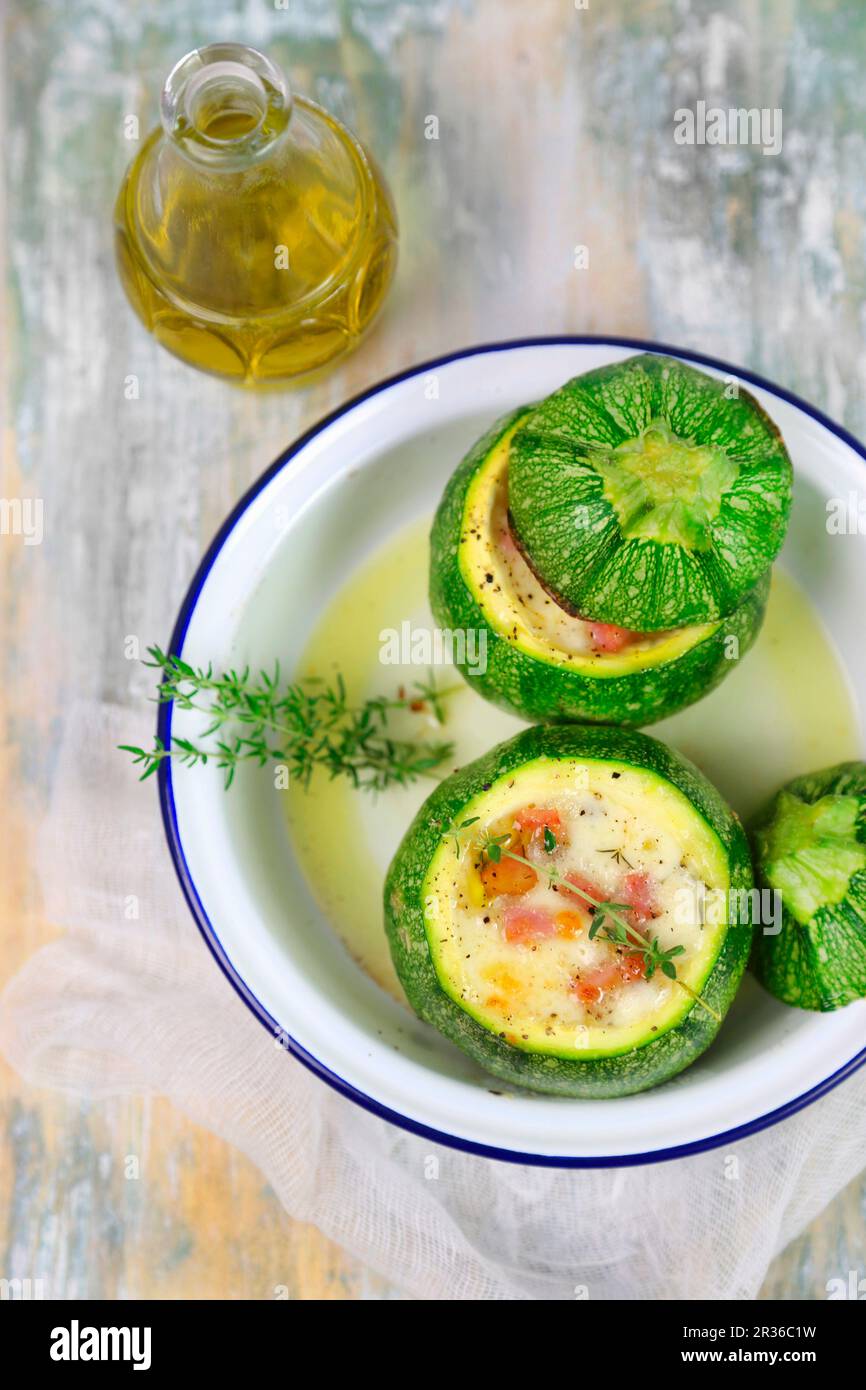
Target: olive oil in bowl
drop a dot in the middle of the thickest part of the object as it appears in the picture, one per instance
(255, 236)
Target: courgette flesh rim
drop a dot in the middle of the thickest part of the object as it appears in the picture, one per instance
(407, 903)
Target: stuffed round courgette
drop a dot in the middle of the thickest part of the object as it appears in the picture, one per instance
(559, 910)
(542, 662)
(810, 848)
(648, 494)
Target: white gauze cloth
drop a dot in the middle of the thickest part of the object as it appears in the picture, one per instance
(123, 1006)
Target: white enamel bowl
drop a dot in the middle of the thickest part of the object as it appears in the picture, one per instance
(320, 510)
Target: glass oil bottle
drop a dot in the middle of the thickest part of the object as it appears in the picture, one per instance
(255, 236)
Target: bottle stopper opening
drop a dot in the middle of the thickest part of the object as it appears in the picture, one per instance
(225, 101)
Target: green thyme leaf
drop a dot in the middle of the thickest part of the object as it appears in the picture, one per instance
(304, 725)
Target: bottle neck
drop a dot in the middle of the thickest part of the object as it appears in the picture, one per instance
(226, 106)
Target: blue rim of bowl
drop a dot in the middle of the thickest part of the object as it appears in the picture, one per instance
(169, 815)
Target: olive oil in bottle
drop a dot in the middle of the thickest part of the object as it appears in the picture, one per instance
(255, 236)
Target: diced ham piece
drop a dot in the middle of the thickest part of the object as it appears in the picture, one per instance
(527, 923)
(606, 637)
(533, 818)
(507, 543)
(633, 967)
(587, 886)
(532, 824)
(592, 985)
(637, 891)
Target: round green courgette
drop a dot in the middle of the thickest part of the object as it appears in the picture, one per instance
(445, 941)
(810, 848)
(526, 669)
(648, 494)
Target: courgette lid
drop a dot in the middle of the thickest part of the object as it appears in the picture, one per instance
(648, 494)
(810, 848)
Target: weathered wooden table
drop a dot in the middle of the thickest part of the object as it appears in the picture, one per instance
(554, 199)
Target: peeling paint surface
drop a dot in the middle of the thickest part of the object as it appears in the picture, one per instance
(555, 132)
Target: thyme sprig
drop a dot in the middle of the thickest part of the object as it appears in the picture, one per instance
(617, 856)
(301, 724)
(608, 921)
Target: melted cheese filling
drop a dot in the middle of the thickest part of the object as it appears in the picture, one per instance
(614, 820)
(517, 606)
